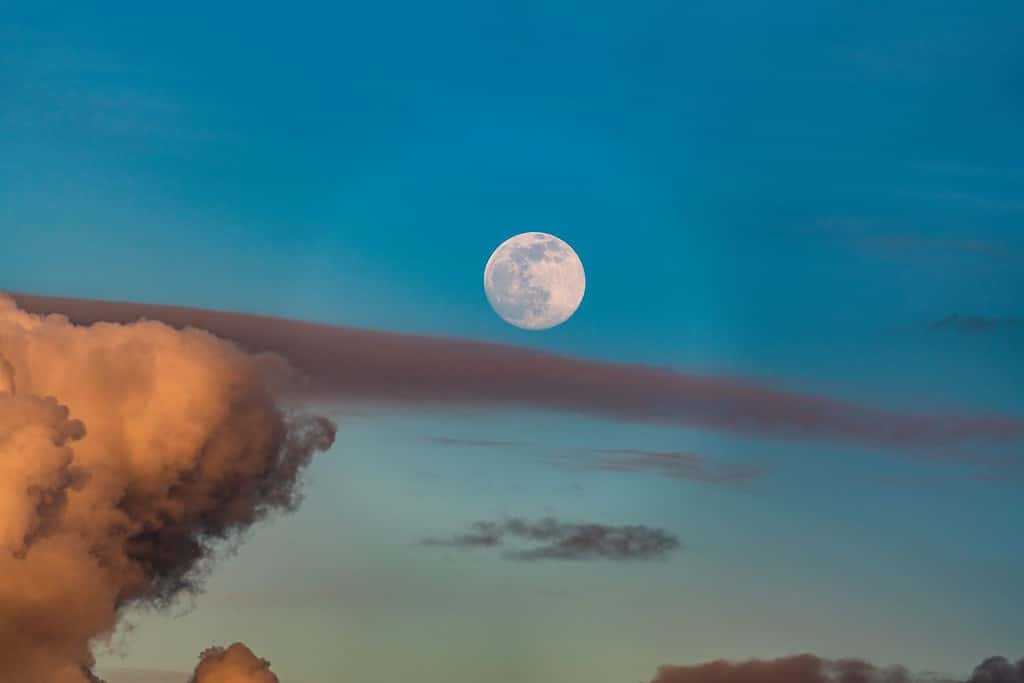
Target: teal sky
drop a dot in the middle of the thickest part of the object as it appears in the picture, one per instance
(796, 194)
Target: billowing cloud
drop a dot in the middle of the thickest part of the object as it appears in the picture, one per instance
(551, 539)
(234, 664)
(343, 362)
(127, 453)
(808, 668)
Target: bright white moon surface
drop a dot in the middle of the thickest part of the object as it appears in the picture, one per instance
(534, 281)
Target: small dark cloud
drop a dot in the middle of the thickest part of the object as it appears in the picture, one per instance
(481, 443)
(957, 322)
(671, 464)
(551, 539)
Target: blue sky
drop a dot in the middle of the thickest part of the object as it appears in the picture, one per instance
(793, 193)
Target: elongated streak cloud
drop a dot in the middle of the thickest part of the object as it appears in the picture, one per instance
(345, 362)
(551, 539)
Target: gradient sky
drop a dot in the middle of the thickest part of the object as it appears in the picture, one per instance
(793, 193)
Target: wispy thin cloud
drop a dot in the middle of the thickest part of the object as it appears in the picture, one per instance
(480, 535)
(962, 169)
(472, 443)
(957, 322)
(895, 244)
(980, 201)
(671, 464)
(551, 539)
(891, 241)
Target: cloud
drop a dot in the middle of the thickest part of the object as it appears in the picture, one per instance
(234, 664)
(975, 323)
(808, 668)
(984, 202)
(903, 244)
(482, 443)
(883, 240)
(344, 362)
(128, 453)
(7, 384)
(998, 670)
(480, 535)
(672, 464)
(551, 539)
(798, 669)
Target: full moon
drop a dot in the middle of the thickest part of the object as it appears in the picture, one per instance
(534, 281)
